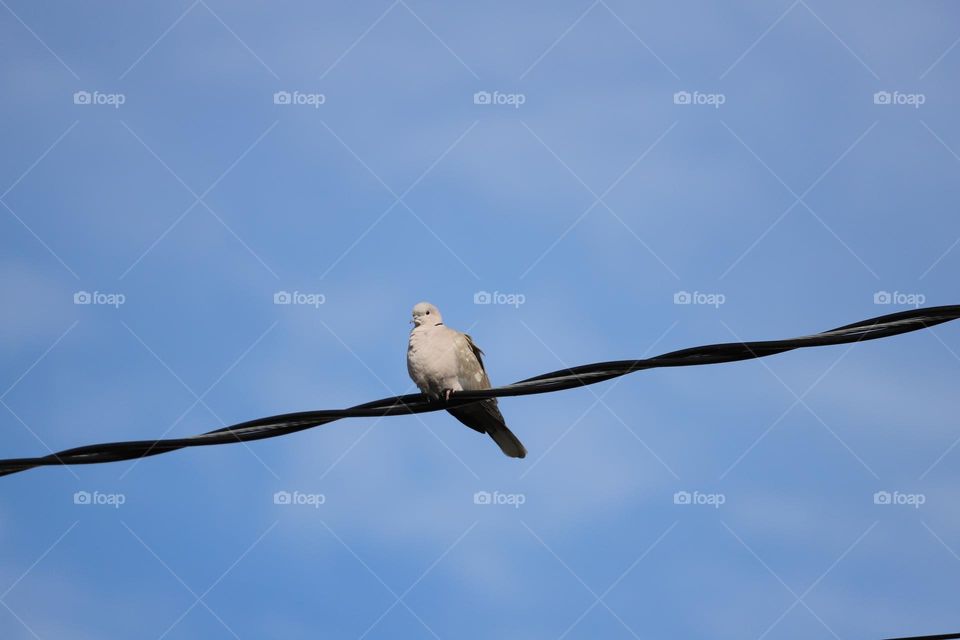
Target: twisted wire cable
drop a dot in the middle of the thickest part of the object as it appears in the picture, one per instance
(274, 426)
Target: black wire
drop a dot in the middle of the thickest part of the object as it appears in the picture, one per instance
(273, 426)
(942, 636)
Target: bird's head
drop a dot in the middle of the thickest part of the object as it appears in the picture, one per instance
(426, 314)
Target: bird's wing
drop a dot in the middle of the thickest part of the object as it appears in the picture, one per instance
(472, 374)
(484, 416)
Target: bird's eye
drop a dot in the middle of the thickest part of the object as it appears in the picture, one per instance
(428, 313)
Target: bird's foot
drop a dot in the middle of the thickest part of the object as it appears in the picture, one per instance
(446, 394)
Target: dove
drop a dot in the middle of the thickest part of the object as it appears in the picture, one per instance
(442, 361)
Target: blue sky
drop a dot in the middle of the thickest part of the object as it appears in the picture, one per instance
(791, 166)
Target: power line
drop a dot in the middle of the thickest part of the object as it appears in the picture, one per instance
(273, 426)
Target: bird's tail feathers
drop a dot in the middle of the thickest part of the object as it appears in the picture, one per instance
(485, 417)
(508, 442)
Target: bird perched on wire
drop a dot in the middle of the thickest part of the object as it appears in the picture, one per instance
(442, 361)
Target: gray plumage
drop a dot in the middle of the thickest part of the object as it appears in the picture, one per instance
(442, 361)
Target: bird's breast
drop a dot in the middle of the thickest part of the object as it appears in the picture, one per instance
(430, 360)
